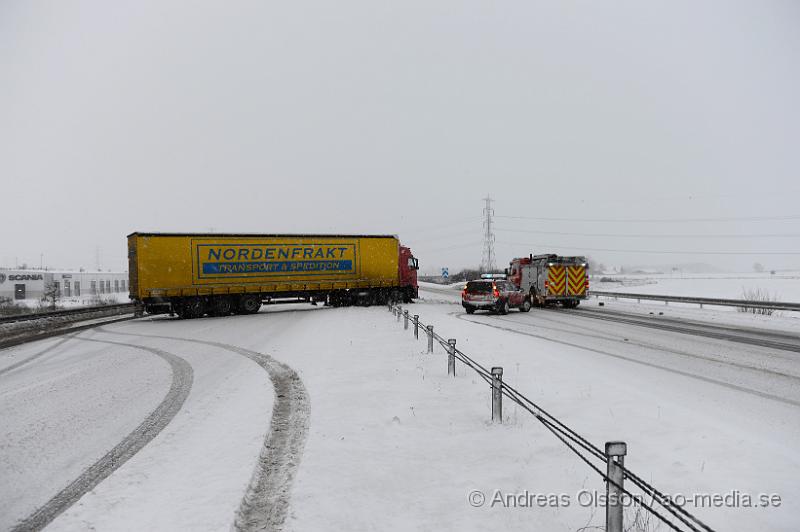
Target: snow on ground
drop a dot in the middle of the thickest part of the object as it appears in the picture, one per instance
(78, 301)
(779, 321)
(396, 444)
(64, 410)
(193, 475)
(785, 286)
(782, 286)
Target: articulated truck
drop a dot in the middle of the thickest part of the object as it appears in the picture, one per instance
(192, 275)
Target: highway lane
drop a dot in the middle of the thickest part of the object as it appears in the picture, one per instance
(173, 428)
(64, 404)
(226, 414)
(132, 443)
(733, 333)
(756, 361)
(689, 398)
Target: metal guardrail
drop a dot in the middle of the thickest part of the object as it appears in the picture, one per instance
(743, 303)
(654, 501)
(118, 308)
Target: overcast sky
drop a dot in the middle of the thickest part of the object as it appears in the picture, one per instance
(379, 117)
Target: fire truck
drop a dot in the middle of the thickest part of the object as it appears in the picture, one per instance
(551, 279)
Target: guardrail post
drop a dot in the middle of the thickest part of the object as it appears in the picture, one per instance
(416, 326)
(405, 320)
(430, 338)
(497, 395)
(615, 454)
(399, 313)
(451, 357)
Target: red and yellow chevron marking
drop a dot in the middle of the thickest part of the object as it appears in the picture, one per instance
(557, 278)
(576, 283)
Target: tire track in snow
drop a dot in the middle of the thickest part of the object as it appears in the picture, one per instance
(182, 378)
(636, 361)
(576, 330)
(266, 501)
(695, 329)
(31, 358)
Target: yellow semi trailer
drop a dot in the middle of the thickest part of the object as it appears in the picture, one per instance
(220, 274)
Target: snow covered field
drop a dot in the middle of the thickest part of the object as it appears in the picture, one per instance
(393, 442)
(785, 286)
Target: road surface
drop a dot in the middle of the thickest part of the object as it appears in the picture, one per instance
(303, 418)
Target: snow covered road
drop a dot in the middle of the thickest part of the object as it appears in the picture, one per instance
(65, 410)
(376, 435)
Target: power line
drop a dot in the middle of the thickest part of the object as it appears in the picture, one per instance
(448, 235)
(763, 235)
(457, 246)
(651, 252)
(437, 226)
(685, 197)
(655, 220)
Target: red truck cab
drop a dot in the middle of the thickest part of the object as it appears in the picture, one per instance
(408, 274)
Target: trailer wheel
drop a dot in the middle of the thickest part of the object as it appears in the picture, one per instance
(381, 298)
(193, 307)
(249, 304)
(394, 297)
(223, 306)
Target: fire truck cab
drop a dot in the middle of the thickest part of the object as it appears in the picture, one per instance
(551, 279)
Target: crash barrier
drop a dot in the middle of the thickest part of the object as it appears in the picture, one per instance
(741, 303)
(615, 475)
(121, 308)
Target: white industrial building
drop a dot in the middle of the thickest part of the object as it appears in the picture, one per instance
(30, 284)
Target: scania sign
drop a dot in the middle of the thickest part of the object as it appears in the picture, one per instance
(23, 277)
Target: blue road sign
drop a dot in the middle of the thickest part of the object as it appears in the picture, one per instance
(445, 273)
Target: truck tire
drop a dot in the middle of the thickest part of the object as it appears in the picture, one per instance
(249, 304)
(222, 306)
(526, 306)
(193, 307)
(408, 296)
